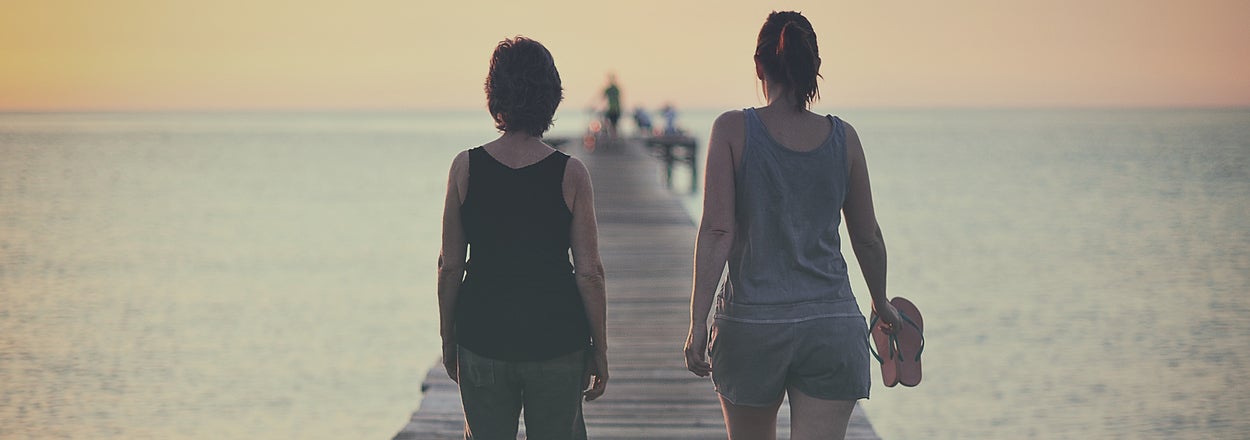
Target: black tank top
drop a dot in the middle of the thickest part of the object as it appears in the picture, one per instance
(519, 300)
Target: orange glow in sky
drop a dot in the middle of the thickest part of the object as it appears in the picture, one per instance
(404, 54)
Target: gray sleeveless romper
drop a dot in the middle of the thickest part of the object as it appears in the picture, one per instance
(787, 318)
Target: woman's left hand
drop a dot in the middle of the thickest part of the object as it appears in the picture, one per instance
(696, 352)
(597, 372)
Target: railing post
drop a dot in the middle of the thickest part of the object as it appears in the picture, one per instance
(668, 165)
(694, 167)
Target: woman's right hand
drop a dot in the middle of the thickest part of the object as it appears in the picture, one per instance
(450, 361)
(696, 351)
(598, 374)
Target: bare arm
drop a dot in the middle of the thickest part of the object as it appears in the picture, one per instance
(451, 260)
(865, 233)
(716, 233)
(584, 240)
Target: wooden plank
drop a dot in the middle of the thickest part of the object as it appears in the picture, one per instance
(647, 242)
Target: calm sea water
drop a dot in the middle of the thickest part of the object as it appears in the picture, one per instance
(1083, 273)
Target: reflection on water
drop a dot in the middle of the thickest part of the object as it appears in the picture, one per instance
(1083, 273)
(216, 276)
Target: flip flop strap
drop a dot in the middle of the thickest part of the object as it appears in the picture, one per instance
(893, 341)
(918, 330)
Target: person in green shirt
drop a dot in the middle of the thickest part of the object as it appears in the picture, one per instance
(613, 114)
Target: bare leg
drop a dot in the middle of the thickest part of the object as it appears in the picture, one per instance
(812, 418)
(750, 422)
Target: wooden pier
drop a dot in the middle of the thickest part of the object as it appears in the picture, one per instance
(647, 241)
(676, 149)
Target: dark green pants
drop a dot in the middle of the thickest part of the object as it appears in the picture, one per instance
(494, 393)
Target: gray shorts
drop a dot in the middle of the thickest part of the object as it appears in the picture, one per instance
(826, 358)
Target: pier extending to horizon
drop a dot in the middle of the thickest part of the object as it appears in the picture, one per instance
(646, 239)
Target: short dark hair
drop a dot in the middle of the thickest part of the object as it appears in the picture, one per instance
(787, 51)
(523, 87)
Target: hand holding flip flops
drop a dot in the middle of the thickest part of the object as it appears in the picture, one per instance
(900, 348)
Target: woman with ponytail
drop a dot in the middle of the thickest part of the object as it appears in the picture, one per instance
(779, 180)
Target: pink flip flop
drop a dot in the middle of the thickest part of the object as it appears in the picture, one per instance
(910, 342)
(887, 345)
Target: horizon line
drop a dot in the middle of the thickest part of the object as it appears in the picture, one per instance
(460, 109)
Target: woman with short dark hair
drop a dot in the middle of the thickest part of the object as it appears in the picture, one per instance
(779, 178)
(522, 327)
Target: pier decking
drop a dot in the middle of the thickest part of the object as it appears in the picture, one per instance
(647, 240)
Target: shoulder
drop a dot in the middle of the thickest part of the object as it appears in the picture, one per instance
(576, 184)
(729, 120)
(852, 136)
(730, 128)
(848, 129)
(575, 172)
(853, 146)
(459, 173)
(461, 162)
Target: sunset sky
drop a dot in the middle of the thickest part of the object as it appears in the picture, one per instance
(415, 54)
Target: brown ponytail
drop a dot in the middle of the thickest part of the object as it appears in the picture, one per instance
(787, 51)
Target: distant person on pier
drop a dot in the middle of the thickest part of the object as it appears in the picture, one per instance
(613, 113)
(643, 120)
(779, 179)
(523, 328)
(670, 120)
